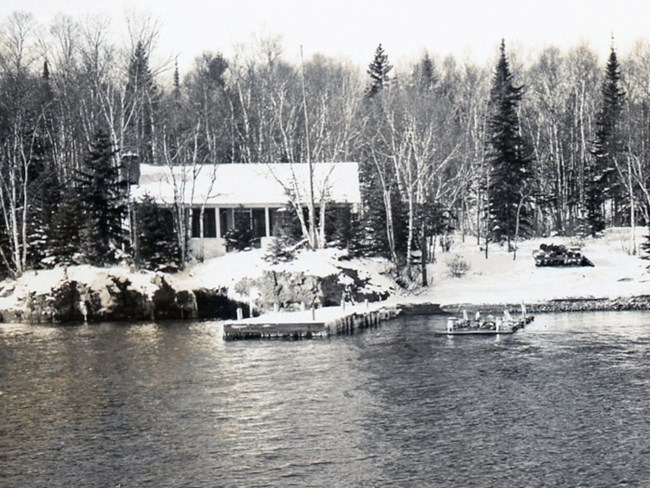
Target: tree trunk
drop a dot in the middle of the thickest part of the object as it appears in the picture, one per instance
(424, 258)
(390, 230)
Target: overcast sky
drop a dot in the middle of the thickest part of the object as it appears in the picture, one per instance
(468, 29)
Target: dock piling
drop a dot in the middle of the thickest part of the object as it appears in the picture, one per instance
(302, 325)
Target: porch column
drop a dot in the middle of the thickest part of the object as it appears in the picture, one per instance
(217, 215)
(267, 221)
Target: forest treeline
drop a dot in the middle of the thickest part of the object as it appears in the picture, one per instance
(557, 145)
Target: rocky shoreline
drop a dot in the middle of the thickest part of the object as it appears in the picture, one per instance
(575, 304)
(157, 296)
(128, 296)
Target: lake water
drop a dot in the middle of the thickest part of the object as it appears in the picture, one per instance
(565, 402)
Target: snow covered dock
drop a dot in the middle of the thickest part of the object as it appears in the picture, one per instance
(319, 322)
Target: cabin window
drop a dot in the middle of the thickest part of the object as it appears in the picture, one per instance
(226, 220)
(273, 218)
(259, 222)
(209, 222)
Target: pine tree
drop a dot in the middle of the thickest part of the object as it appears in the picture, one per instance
(370, 234)
(600, 173)
(177, 83)
(509, 160)
(425, 76)
(240, 237)
(43, 182)
(46, 198)
(645, 246)
(380, 228)
(64, 238)
(286, 234)
(143, 100)
(102, 195)
(156, 240)
(379, 70)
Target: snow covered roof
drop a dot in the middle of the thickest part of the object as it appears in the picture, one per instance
(248, 184)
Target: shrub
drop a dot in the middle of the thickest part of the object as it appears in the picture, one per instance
(458, 267)
(240, 237)
(281, 250)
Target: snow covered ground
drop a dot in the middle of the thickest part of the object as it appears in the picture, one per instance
(14, 292)
(228, 270)
(500, 279)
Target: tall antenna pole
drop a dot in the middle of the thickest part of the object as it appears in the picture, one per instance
(312, 209)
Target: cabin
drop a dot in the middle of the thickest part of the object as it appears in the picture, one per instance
(218, 194)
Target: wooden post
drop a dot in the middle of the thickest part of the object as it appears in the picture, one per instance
(217, 215)
(240, 313)
(267, 222)
(313, 313)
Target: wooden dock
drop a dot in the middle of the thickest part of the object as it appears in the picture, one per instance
(308, 324)
(519, 324)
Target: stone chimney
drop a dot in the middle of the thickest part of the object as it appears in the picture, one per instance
(130, 168)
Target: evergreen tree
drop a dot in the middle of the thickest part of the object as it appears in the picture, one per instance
(240, 237)
(102, 195)
(177, 83)
(600, 173)
(46, 198)
(157, 245)
(43, 182)
(64, 238)
(375, 233)
(645, 246)
(287, 233)
(369, 236)
(379, 70)
(425, 76)
(509, 160)
(338, 225)
(143, 100)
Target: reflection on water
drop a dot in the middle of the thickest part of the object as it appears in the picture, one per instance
(562, 403)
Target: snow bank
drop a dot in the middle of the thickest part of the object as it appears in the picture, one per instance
(13, 293)
(328, 273)
(228, 270)
(500, 279)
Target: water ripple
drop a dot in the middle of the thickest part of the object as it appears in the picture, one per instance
(562, 403)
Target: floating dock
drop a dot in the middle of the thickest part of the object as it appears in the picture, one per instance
(308, 324)
(471, 331)
(508, 329)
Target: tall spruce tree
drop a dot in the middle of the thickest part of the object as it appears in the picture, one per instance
(64, 240)
(379, 70)
(142, 101)
(380, 230)
(425, 76)
(157, 244)
(42, 177)
(600, 173)
(509, 159)
(102, 195)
